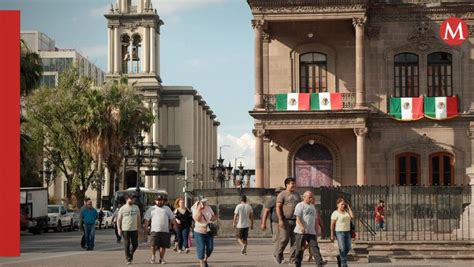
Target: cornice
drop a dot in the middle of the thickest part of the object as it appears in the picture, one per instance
(407, 13)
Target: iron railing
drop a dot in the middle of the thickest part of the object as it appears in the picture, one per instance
(348, 101)
(416, 213)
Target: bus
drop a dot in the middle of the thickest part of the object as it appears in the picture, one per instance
(146, 197)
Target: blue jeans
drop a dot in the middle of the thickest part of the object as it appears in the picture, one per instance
(182, 234)
(89, 231)
(344, 243)
(204, 244)
(380, 225)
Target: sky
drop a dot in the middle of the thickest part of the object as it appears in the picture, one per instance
(207, 44)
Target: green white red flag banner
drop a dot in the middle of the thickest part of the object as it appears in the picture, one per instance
(309, 101)
(441, 108)
(406, 108)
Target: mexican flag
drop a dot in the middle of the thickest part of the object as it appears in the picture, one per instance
(406, 108)
(326, 101)
(292, 101)
(440, 108)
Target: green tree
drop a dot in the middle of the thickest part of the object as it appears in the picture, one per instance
(55, 117)
(30, 154)
(116, 115)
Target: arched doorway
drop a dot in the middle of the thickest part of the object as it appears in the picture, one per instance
(313, 166)
(130, 179)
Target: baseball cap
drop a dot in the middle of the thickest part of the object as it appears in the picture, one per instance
(202, 199)
(160, 197)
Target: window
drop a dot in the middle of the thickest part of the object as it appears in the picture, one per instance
(442, 169)
(440, 77)
(313, 73)
(48, 80)
(408, 169)
(406, 75)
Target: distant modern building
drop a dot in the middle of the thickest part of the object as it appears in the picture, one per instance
(55, 60)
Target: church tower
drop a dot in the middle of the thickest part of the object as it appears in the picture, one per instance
(134, 51)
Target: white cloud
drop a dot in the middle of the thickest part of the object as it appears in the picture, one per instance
(243, 146)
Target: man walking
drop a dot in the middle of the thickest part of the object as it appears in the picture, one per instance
(270, 212)
(306, 228)
(160, 216)
(101, 217)
(128, 224)
(243, 219)
(286, 203)
(88, 217)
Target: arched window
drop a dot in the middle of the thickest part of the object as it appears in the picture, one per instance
(406, 75)
(440, 77)
(125, 55)
(442, 169)
(408, 169)
(136, 51)
(313, 73)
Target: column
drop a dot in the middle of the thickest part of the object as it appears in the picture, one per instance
(110, 54)
(359, 24)
(146, 51)
(117, 49)
(140, 6)
(360, 135)
(259, 179)
(266, 62)
(152, 50)
(258, 25)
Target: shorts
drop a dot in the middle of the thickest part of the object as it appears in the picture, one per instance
(160, 239)
(242, 233)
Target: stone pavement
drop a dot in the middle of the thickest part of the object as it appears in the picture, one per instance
(226, 253)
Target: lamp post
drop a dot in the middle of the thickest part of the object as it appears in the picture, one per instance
(185, 188)
(222, 172)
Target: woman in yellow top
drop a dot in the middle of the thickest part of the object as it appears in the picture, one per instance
(341, 224)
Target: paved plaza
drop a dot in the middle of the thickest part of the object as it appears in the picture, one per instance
(62, 249)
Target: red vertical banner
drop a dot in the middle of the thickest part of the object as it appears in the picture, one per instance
(10, 133)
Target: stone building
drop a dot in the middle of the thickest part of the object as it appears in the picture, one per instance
(368, 52)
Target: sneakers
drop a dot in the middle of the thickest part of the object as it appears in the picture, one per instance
(129, 262)
(243, 251)
(152, 260)
(175, 247)
(276, 259)
(180, 251)
(162, 261)
(186, 251)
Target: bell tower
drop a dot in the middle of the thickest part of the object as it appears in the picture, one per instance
(134, 51)
(134, 43)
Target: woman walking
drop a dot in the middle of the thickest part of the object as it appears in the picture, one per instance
(202, 215)
(183, 224)
(341, 225)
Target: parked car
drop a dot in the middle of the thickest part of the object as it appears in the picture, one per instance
(107, 221)
(59, 218)
(76, 215)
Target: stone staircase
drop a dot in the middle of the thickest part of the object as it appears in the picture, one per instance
(399, 251)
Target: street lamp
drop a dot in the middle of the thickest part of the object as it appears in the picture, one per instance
(222, 172)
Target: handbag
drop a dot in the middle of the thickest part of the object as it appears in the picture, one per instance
(353, 232)
(212, 227)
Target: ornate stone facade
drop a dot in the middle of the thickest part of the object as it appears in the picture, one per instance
(360, 41)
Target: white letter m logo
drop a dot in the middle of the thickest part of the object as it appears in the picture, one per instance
(453, 34)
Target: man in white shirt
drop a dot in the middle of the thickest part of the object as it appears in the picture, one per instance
(243, 219)
(306, 228)
(160, 216)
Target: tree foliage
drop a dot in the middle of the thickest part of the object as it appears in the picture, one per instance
(81, 127)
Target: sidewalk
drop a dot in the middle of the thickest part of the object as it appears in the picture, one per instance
(226, 253)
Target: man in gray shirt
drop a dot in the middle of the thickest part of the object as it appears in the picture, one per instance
(305, 230)
(285, 207)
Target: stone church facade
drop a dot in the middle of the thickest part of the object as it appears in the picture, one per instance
(369, 52)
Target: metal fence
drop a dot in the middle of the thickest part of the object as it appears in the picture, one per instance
(411, 212)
